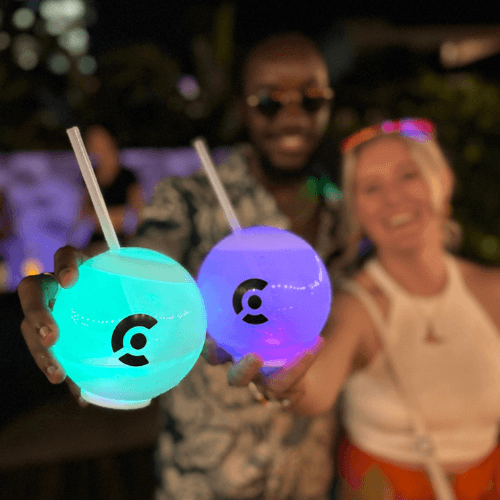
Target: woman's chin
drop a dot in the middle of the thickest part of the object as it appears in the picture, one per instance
(406, 245)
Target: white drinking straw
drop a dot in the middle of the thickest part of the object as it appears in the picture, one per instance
(93, 187)
(201, 148)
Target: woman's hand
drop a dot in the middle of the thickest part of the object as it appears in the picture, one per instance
(283, 384)
(37, 297)
(312, 381)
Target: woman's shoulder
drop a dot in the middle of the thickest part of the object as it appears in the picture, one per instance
(349, 306)
(363, 280)
(478, 273)
(482, 280)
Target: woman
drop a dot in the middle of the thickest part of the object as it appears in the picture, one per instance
(413, 337)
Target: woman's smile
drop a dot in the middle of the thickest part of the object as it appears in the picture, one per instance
(393, 202)
(402, 220)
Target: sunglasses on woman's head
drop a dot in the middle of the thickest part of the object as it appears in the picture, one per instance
(270, 103)
(417, 129)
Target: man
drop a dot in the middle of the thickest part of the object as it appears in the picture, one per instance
(219, 442)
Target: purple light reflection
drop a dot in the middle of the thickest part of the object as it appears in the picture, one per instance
(44, 189)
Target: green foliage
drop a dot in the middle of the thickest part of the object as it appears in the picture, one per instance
(137, 95)
(134, 92)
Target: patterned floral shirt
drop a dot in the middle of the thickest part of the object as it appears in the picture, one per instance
(218, 442)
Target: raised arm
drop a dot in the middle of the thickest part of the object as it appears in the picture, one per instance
(313, 382)
(318, 389)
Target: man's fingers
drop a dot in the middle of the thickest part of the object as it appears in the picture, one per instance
(213, 354)
(209, 351)
(37, 294)
(42, 356)
(76, 391)
(38, 327)
(242, 373)
(66, 263)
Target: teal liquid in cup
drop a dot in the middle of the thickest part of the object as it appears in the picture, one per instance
(131, 328)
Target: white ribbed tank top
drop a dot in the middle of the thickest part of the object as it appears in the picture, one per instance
(455, 378)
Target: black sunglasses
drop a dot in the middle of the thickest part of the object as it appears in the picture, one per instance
(269, 104)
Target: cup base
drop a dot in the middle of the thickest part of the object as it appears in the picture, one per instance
(117, 404)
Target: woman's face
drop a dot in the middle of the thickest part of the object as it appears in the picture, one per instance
(392, 199)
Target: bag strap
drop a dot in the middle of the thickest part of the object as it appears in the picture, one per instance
(423, 444)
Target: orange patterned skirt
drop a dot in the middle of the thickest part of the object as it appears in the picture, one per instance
(365, 476)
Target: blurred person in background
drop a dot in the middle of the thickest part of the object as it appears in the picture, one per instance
(413, 341)
(6, 231)
(119, 186)
(12, 252)
(219, 441)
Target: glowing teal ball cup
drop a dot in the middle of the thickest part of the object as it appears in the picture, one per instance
(131, 328)
(266, 291)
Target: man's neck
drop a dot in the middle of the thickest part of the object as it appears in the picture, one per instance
(293, 199)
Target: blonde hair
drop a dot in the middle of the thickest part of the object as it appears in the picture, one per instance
(434, 166)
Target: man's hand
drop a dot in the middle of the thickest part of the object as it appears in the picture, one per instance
(37, 296)
(214, 354)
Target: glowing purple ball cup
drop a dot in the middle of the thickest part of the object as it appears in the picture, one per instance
(266, 291)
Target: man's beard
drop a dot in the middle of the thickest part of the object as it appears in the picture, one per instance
(322, 163)
(285, 176)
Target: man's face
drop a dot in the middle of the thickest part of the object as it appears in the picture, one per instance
(288, 138)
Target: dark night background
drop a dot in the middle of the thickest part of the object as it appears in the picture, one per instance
(384, 59)
(380, 68)
(373, 82)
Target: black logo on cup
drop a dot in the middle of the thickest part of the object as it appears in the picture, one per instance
(138, 340)
(254, 301)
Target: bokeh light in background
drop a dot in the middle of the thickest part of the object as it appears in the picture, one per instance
(26, 51)
(87, 65)
(31, 266)
(457, 53)
(75, 41)
(59, 15)
(37, 28)
(58, 63)
(23, 18)
(490, 246)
